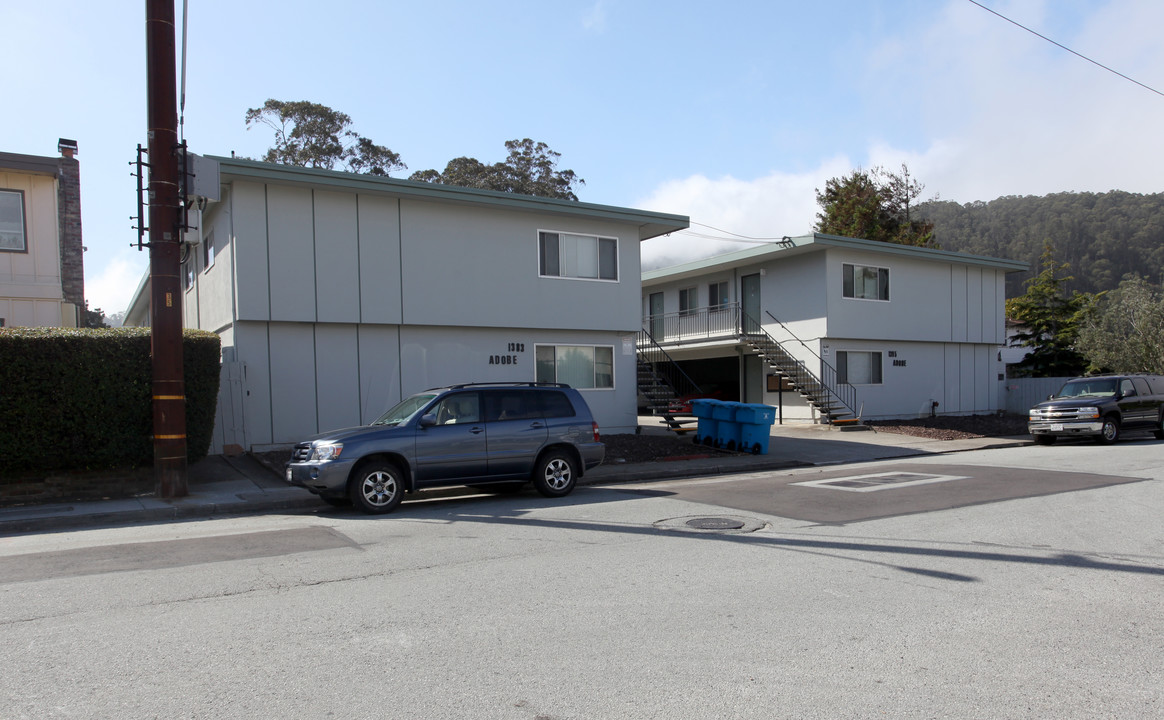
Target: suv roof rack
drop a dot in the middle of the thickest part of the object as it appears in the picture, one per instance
(505, 383)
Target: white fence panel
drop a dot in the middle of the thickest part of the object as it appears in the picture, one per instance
(1020, 394)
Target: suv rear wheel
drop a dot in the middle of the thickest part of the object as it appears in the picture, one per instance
(555, 474)
(378, 487)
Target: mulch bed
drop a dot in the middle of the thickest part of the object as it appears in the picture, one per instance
(955, 427)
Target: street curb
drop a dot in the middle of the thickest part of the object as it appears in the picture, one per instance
(150, 516)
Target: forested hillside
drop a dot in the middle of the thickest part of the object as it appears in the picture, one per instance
(1102, 235)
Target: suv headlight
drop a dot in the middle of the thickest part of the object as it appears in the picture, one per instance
(1088, 412)
(326, 452)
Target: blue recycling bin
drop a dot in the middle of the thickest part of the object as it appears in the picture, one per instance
(705, 430)
(754, 421)
(727, 430)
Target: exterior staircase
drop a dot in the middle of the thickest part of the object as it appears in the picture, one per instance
(661, 383)
(835, 401)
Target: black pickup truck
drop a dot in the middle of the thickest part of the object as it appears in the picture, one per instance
(1103, 407)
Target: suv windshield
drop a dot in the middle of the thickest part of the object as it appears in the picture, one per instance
(1105, 387)
(405, 409)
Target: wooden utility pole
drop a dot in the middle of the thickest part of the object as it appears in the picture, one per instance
(165, 235)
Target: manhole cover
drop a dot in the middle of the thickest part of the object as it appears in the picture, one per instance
(727, 524)
(715, 523)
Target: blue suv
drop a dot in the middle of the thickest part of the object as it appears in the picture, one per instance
(495, 435)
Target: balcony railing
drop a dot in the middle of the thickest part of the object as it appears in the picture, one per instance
(728, 322)
(709, 323)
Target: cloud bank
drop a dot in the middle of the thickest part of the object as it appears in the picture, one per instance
(1000, 112)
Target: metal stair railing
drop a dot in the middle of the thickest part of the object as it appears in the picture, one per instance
(825, 391)
(664, 370)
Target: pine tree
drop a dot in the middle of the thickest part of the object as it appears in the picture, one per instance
(1050, 321)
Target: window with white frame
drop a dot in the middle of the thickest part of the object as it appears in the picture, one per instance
(589, 257)
(579, 366)
(688, 300)
(13, 233)
(864, 282)
(859, 368)
(717, 295)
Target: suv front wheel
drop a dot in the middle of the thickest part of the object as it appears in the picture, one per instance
(555, 475)
(378, 487)
(1110, 431)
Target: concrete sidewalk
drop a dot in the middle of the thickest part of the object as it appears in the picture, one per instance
(221, 485)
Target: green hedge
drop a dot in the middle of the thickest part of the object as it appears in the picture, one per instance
(79, 399)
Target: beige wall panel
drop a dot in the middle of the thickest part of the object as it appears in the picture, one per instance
(380, 282)
(249, 251)
(337, 376)
(473, 267)
(337, 257)
(379, 347)
(291, 253)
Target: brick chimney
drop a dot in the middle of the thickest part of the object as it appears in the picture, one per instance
(69, 204)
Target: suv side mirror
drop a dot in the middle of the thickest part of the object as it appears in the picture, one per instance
(428, 420)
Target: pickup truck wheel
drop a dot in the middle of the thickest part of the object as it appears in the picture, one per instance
(1045, 439)
(1110, 431)
(1159, 431)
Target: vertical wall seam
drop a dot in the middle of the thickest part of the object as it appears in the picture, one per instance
(233, 240)
(400, 270)
(953, 302)
(267, 257)
(359, 267)
(359, 316)
(270, 386)
(315, 370)
(400, 254)
(315, 307)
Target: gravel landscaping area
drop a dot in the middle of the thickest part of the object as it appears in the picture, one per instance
(955, 427)
(654, 447)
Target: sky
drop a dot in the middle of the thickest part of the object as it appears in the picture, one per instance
(732, 113)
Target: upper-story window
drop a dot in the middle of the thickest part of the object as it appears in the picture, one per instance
(717, 295)
(208, 251)
(865, 282)
(13, 234)
(688, 300)
(570, 255)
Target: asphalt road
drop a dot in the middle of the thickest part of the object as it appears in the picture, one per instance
(1016, 583)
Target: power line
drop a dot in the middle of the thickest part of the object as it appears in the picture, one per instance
(737, 238)
(729, 232)
(1093, 62)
